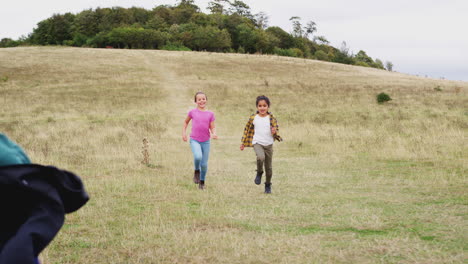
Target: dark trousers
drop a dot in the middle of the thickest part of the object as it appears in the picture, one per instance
(264, 156)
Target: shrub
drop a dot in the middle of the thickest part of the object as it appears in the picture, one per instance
(175, 47)
(68, 43)
(361, 63)
(321, 55)
(378, 64)
(284, 52)
(79, 40)
(383, 97)
(8, 43)
(297, 53)
(438, 89)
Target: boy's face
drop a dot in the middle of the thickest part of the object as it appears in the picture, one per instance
(262, 107)
(201, 100)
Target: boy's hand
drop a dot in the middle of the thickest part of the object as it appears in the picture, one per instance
(242, 147)
(184, 137)
(214, 136)
(273, 130)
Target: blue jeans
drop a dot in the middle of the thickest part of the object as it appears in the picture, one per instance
(201, 152)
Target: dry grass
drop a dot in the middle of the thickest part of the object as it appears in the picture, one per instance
(354, 181)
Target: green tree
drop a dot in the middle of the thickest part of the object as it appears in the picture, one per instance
(361, 56)
(286, 41)
(342, 55)
(139, 15)
(310, 28)
(182, 13)
(157, 22)
(242, 9)
(264, 42)
(247, 38)
(86, 23)
(164, 12)
(218, 6)
(321, 55)
(211, 39)
(110, 18)
(272, 42)
(297, 26)
(231, 23)
(361, 63)
(79, 40)
(389, 66)
(322, 40)
(379, 64)
(8, 43)
(261, 20)
(54, 30)
(202, 19)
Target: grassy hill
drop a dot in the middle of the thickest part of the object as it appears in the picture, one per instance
(354, 181)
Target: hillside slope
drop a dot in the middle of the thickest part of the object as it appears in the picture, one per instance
(354, 181)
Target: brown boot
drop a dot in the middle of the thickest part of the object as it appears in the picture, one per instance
(196, 177)
(201, 186)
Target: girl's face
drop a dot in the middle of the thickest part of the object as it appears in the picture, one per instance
(201, 101)
(262, 107)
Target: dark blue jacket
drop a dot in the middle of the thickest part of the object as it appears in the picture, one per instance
(33, 202)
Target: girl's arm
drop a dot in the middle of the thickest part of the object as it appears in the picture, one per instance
(273, 130)
(245, 135)
(213, 130)
(184, 133)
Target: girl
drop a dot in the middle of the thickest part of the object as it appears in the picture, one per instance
(202, 126)
(260, 132)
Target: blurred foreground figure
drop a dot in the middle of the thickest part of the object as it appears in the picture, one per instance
(33, 202)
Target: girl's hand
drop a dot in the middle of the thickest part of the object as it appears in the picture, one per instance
(184, 137)
(273, 130)
(242, 147)
(214, 136)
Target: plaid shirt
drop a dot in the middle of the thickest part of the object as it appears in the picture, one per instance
(249, 130)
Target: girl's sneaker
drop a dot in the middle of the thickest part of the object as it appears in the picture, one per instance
(267, 187)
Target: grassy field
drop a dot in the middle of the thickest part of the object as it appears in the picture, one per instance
(354, 181)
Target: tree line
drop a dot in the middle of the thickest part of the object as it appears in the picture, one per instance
(229, 27)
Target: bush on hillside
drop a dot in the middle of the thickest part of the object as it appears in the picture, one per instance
(383, 97)
(298, 53)
(283, 52)
(8, 43)
(175, 47)
(361, 63)
(321, 55)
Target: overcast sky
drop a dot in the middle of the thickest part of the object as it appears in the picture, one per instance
(420, 37)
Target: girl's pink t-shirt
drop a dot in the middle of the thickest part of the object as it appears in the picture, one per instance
(201, 124)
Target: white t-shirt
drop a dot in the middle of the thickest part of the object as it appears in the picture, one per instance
(262, 133)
